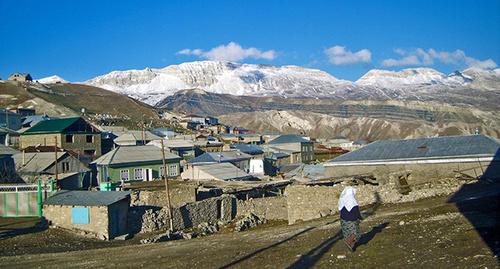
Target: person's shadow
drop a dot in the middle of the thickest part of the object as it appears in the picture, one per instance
(367, 237)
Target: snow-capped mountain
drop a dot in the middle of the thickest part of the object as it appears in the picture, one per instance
(153, 85)
(52, 79)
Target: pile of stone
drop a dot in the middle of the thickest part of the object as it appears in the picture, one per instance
(251, 220)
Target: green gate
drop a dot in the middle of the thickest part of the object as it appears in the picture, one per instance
(23, 200)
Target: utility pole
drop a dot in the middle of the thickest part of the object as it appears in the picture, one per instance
(55, 150)
(170, 215)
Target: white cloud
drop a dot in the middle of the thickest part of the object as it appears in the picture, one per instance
(230, 52)
(338, 55)
(408, 60)
(419, 56)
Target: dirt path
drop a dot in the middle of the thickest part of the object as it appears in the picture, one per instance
(430, 233)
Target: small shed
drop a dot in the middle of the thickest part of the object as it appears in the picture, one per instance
(216, 171)
(103, 214)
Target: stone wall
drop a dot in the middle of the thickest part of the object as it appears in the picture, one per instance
(144, 218)
(179, 196)
(61, 216)
(421, 171)
(311, 202)
(270, 208)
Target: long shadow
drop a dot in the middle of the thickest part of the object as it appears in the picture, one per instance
(266, 248)
(479, 202)
(13, 232)
(367, 237)
(310, 258)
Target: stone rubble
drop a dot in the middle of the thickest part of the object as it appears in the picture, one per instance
(251, 220)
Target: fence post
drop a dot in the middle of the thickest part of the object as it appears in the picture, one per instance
(39, 199)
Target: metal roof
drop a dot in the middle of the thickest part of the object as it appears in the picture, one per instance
(36, 161)
(86, 198)
(57, 126)
(290, 138)
(248, 148)
(4, 150)
(424, 148)
(224, 156)
(134, 154)
(224, 171)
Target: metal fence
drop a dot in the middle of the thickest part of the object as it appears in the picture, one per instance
(23, 200)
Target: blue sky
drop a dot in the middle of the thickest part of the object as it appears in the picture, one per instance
(79, 40)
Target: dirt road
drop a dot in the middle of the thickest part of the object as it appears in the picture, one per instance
(430, 233)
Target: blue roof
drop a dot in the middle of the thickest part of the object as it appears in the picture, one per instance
(86, 198)
(424, 148)
(289, 138)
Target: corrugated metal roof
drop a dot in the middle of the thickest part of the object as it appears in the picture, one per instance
(36, 161)
(51, 126)
(215, 157)
(86, 198)
(134, 154)
(424, 148)
(290, 138)
(224, 171)
(4, 150)
(248, 148)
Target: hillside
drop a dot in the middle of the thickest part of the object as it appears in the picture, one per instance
(67, 100)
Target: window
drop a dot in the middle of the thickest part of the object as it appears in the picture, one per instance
(90, 139)
(172, 169)
(162, 174)
(138, 174)
(80, 215)
(124, 175)
(65, 167)
(69, 138)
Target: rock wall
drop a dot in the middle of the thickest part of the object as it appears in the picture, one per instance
(311, 202)
(179, 196)
(270, 208)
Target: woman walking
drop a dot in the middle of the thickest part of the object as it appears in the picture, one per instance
(350, 217)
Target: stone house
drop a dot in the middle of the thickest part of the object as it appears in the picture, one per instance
(421, 159)
(72, 134)
(20, 77)
(302, 149)
(135, 163)
(103, 214)
(183, 148)
(9, 137)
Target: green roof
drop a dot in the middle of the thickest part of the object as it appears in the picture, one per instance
(59, 126)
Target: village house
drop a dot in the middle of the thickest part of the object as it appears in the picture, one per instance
(301, 150)
(135, 163)
(31, 166)
(180, 147)
(165, 132)
(8, 172)
(9, 137)
(103, 214)
(237, 158)
(136, 138)
(72, 134)
(10, 120)
(421, 159)
(24, 112)
(20, 77)
(217, 171)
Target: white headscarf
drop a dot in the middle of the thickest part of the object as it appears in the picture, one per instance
(347, 198)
